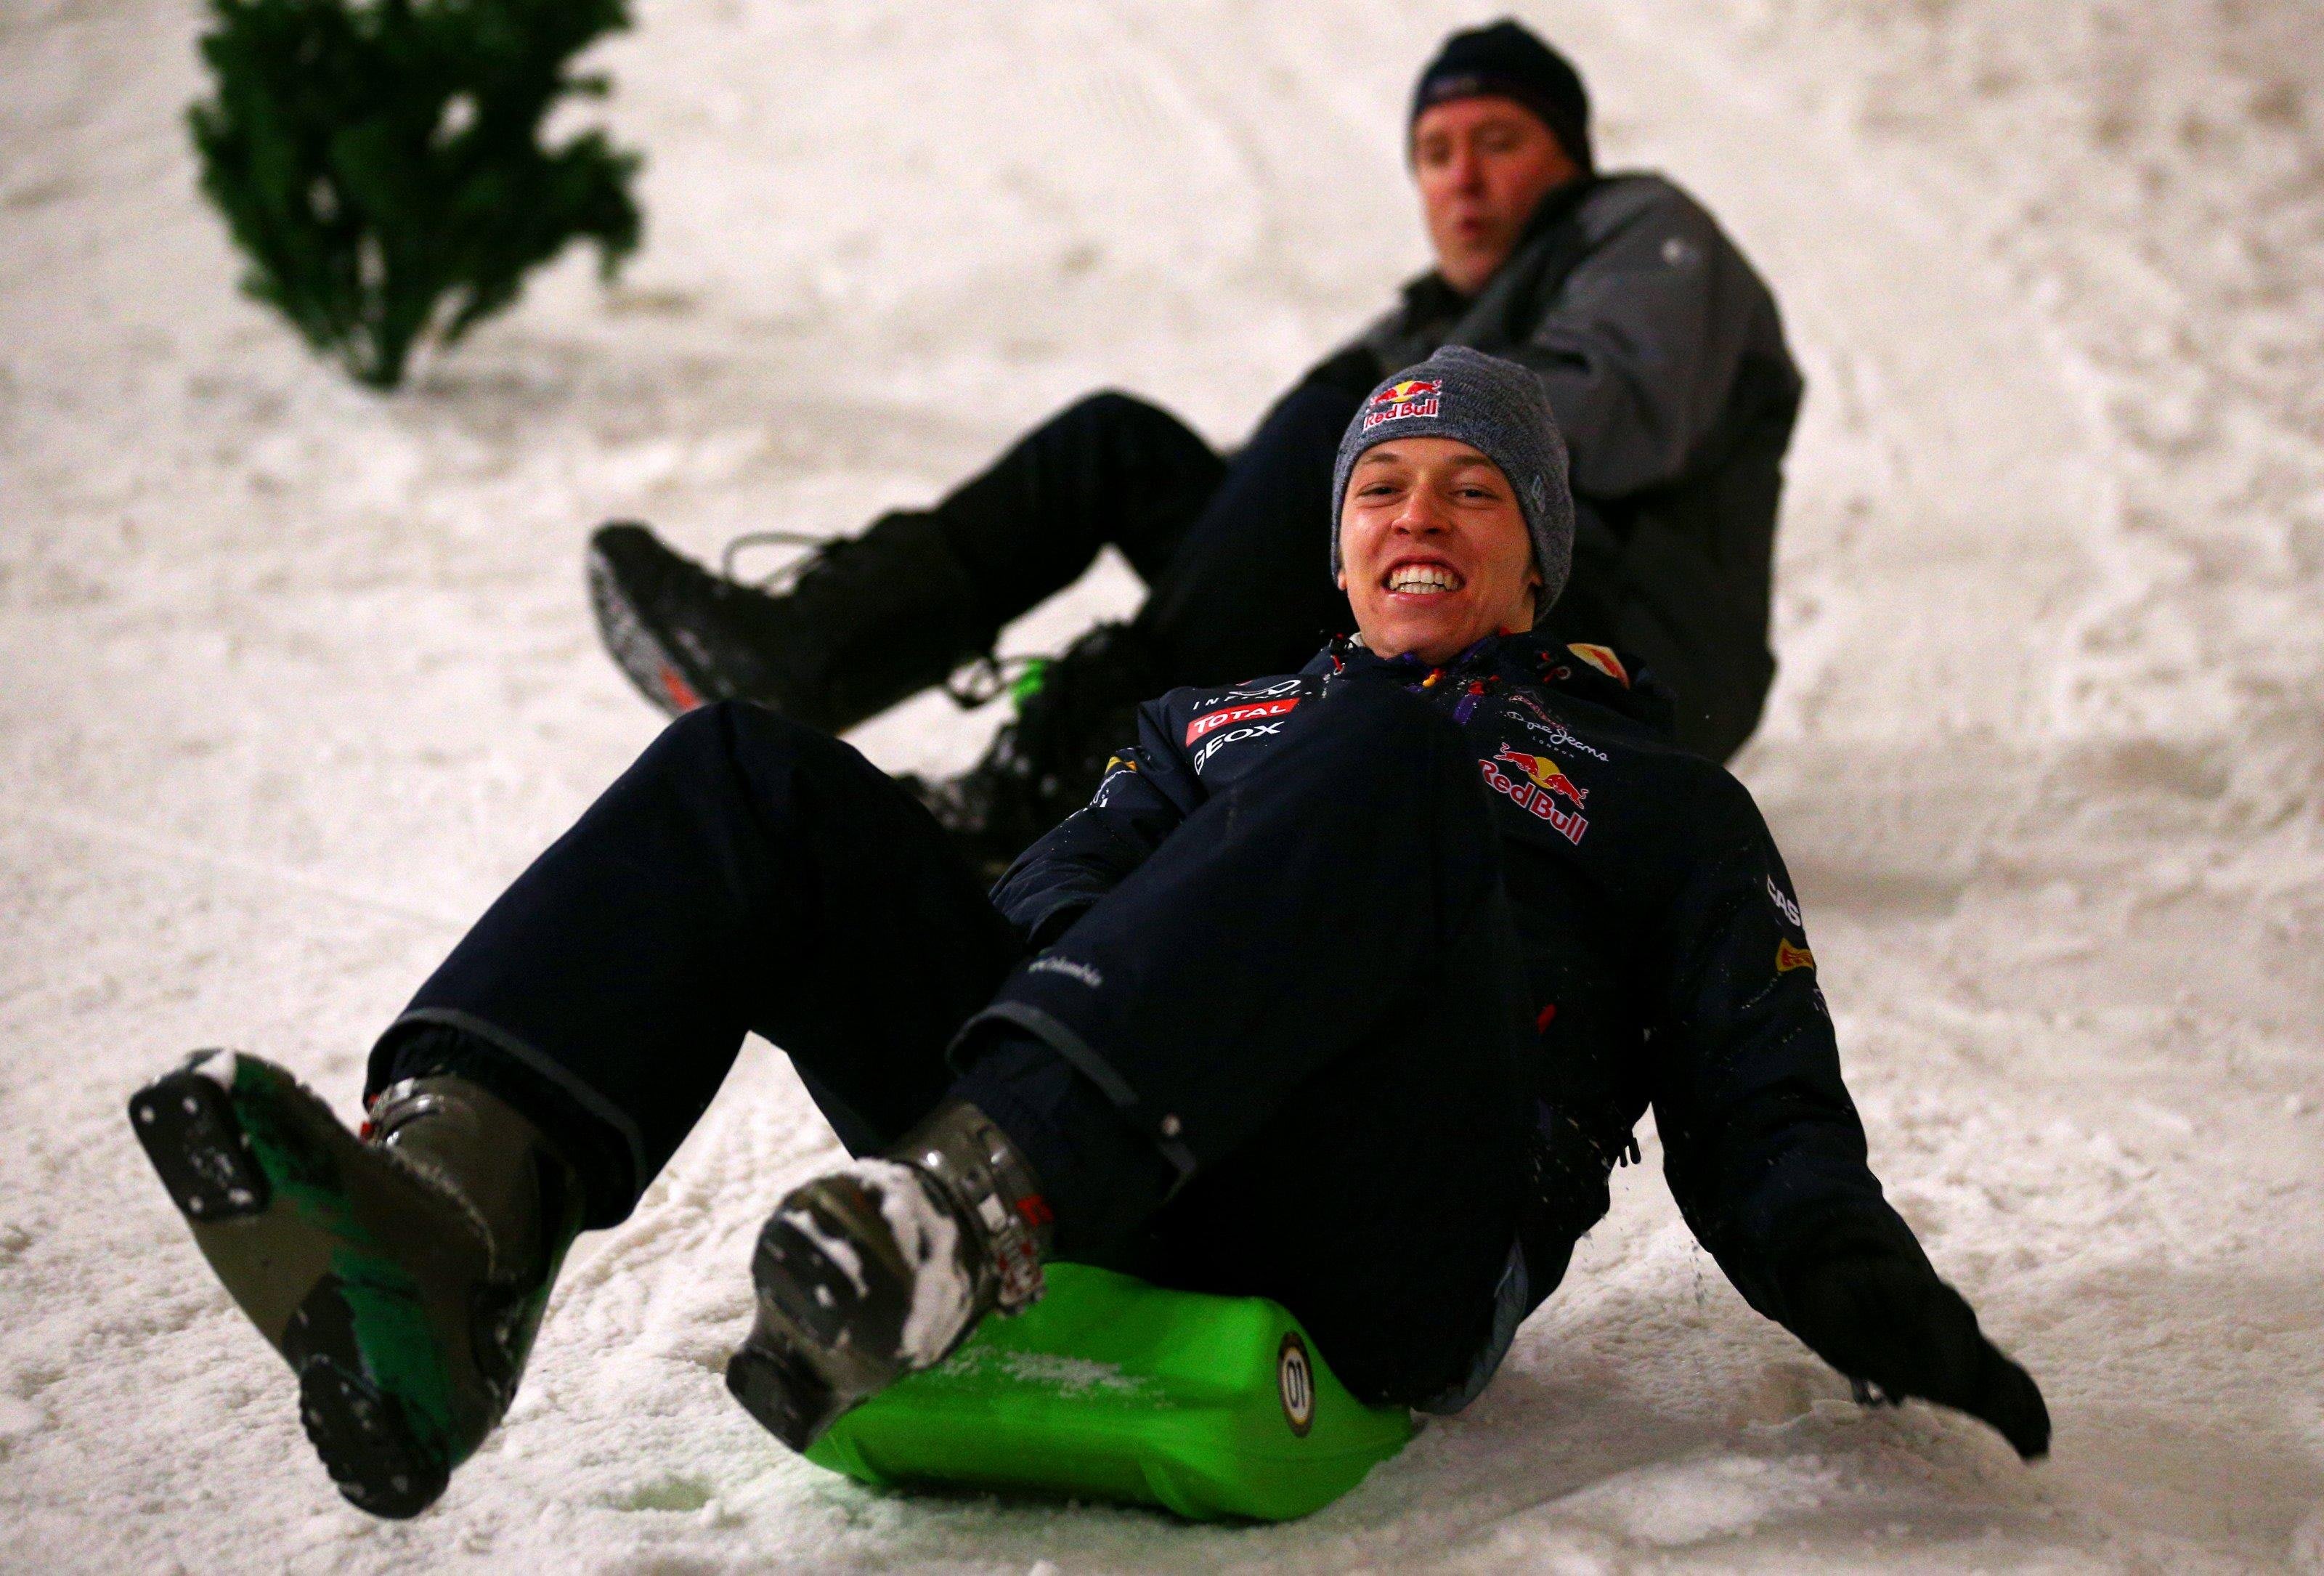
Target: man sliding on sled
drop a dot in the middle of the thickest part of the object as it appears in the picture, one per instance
(1658, 347)
(1346, 989)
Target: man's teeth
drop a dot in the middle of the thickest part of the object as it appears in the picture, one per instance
(1423, 579)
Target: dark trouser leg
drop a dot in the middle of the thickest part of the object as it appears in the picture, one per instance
(746, 874)
(1309, 998)
(1108, 469)
(1249, 589)
(1241, 590)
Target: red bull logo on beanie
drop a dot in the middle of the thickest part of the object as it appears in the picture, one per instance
(1534, 783)
(1410, 396)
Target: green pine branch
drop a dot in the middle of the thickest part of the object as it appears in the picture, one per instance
(379, 162)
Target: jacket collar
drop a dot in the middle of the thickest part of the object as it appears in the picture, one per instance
(1429, 297)
(1510, 653)
(1532, 656)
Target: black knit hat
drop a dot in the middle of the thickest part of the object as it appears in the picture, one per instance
(1508, 60)
(1497, 408)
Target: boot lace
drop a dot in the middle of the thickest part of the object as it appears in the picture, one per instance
(785, 574)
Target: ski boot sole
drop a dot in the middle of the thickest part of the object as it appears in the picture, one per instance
(771, 1373)
(365, 1442)
(249, 1162)
(778, 1387)
(659, 673)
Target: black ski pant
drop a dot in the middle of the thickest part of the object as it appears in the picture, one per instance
(1235, 552)
(1281, 1059)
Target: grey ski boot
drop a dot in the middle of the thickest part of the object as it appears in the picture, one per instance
(883, 1267)
(402, 1273)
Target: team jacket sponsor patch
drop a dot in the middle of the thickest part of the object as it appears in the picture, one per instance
(1789, 957)
(1537, 718)
(1233, 715)
(1603, 658)
(1537, 784)
(1116, 767)
(1784, 904)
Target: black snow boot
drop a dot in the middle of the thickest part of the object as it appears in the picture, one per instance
(1079, 713)
(402, 1273)
(883, 1267)
(864, 622)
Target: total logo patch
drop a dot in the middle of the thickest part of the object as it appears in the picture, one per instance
(1412, 397)
(1230, 716)
(1534, 783)
(1294, 1379)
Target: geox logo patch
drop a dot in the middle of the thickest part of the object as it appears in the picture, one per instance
(1399, 401)
(1233, 715)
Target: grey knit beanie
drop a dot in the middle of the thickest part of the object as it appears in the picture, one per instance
(1497, 408)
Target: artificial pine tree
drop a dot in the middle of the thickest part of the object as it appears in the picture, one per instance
(380, 162)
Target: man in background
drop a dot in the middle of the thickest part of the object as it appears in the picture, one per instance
(1659, 347)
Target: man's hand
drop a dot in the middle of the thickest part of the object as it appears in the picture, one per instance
(1882, 1318)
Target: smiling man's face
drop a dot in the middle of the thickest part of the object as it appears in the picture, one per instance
(1434, 550)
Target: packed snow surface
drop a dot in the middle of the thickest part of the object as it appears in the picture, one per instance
(299, 676)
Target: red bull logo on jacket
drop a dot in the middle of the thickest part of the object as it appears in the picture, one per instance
(1534, 783)
(1410, 396)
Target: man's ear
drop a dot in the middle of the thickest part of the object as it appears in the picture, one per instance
(1341, 580)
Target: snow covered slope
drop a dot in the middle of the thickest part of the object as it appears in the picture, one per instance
(297, 677)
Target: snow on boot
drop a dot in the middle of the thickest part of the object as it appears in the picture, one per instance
(1043, 766)
(883, 1267)
(866, 622)
(400, 1274)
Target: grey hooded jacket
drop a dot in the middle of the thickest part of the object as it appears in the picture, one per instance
(1664, 360)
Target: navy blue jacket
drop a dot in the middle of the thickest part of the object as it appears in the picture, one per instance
(1663, 949)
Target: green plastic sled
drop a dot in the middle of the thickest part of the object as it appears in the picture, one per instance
(1111, 1388)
